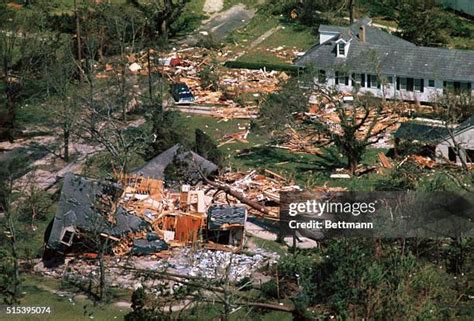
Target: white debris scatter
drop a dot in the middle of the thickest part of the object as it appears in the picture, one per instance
(214, 264)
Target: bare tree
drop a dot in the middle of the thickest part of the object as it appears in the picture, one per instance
(356, 129)
(65, 109)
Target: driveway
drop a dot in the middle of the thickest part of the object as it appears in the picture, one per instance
(222, 23)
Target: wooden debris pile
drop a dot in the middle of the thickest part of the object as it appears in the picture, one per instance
(262, 189)
(237, 92)
(309, 139)
(176, 217)
(301, 141)
(286, 54)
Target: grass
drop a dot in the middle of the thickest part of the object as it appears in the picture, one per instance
(191, 17)
(307, 170)
(271, 246)
(248, 3)
(37, 293)
(256, 27)
(290, 36)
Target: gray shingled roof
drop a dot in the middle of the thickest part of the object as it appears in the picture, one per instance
(394, 55)
(421, 132)
(155, 168)
(467, 124)
(77, 209)
(219, 215)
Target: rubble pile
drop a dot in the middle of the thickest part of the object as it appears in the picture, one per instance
(213, 264)
(263, 189)
(288, 55)
(185, 66)
(183, 261)
(387, 122)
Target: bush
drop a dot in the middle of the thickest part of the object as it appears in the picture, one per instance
(270, 290)
(209, 42)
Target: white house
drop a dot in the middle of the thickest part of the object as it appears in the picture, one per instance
(371, 60)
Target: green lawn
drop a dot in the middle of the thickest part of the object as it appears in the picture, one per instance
(248, 3)
(272, 246)
(78, 309)
(308, 170)
(289, 36)
(254, 29)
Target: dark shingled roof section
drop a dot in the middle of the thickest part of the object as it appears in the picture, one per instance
(395, 56)
(468, 123)
(155, 168)
(421, 132)
(219, 215)
(76, 209)
(145, 246)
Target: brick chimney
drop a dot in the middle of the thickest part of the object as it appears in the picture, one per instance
(362, 33)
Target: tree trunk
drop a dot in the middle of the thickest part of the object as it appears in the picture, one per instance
(352, 163)
(78, 39)
(16, 265)
(9, 122)
(164, 31)
(101, 276)
(123, 91)
(66, 136)
(150, 83)
(351, 11)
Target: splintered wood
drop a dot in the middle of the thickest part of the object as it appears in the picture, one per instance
(263, 189)
(238, 90)
(308, 139)
(175, 217)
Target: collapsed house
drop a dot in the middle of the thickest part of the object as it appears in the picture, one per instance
(139, 216)
(438, 141)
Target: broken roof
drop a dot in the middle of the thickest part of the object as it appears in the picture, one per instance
(155, 168)
(421, 132)
(394, 55)
(80, 209)
(467, 124)
(222, 216)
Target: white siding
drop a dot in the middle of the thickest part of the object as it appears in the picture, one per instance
(429, 94)
(465, 139)
(326, 35)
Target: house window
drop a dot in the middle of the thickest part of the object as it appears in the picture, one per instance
(431, 83)
(374, 82)
(357, 79)
(470, 155)
(457, 86)
(418, 84)
(389, 80)
(465, 86)
(341, 51)
(67, 237)
(451, 154)
(321, 76)
(342, 79)
(403, 84)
